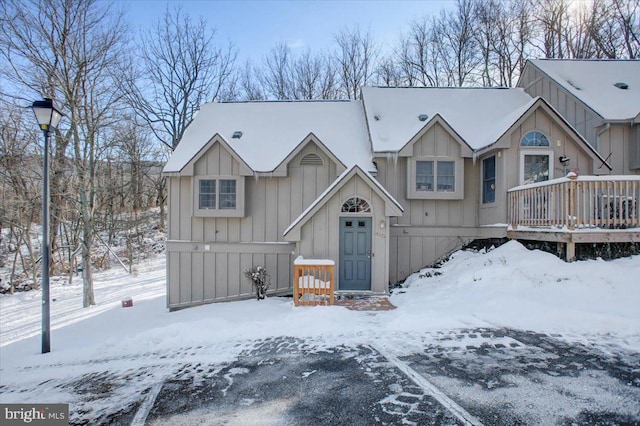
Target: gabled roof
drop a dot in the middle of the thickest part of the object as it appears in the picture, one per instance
(518, 116)
(477, 115)
(593, 82)
(393, 207)
(272, 130)
(408, 148)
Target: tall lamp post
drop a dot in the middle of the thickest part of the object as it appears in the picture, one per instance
(48, 118)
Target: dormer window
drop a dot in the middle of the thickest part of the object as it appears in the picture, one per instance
(218, 196)
(432, 177)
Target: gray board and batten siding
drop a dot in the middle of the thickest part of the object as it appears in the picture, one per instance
(208, 255)
(432, 228)
(616, 139)
(296, 208)
(318, 232)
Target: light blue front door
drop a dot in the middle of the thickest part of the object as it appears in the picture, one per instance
(355, 253)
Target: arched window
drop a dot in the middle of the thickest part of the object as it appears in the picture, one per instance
(534, 139)
(356, 205)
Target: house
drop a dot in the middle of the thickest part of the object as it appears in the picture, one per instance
(599, 98)
(382, 185)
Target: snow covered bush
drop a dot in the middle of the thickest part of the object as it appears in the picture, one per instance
(260, 279)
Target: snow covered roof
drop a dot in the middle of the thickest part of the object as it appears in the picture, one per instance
(272, 130)
(478, 115)
(594, 83)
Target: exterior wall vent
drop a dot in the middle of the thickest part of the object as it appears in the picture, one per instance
(237, 134)
(311, 160)
(623, 86)
(423, 117)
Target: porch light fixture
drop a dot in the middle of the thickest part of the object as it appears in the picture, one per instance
(564, 160)
(382, 224)
(48, 119)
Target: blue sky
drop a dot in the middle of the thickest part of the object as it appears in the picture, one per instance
(257, 26)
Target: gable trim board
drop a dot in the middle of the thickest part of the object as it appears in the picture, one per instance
(281, 169)
(187, 168)
(407, 149)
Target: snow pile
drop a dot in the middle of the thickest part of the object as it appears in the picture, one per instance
(515, 287)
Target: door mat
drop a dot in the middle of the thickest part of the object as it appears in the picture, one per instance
(365, 303)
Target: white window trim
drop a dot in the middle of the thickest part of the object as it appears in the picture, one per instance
(218, 212)
(412, 193)
(533, 151)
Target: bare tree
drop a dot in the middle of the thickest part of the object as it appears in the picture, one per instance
(457, 44)
(553, 20)
(504, 36)
(70, 50)
(180, 68)
(356, 58)
(248, 79)
(277, 75)
(20, 197)
(417, 55)
(627, 16)
(314, 77)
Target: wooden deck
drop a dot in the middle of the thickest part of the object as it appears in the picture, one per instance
(574, 210)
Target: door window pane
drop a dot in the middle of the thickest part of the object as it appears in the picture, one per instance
(446, 176)
(424, 175)
(536, 168)
(207, 194)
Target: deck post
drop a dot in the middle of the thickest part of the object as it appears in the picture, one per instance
(571, 252)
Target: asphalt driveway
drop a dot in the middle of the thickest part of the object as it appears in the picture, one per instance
(476, 376)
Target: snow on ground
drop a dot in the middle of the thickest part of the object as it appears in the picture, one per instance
(591, 301)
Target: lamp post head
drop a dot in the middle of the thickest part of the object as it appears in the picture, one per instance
(47, 115)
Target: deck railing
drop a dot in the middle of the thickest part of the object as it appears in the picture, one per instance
(577, 202)
(313, 281)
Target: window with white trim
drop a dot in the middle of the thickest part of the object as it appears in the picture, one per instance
(436, 178)
(535, 166)
(536, 162)
(219, 196)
